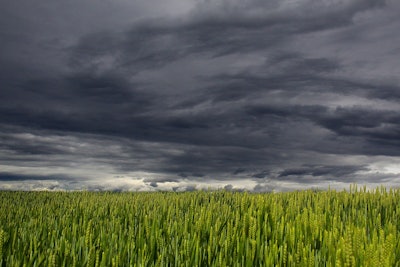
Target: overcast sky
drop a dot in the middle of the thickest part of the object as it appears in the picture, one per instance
(193, 94)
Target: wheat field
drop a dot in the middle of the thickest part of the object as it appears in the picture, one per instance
(205, 228)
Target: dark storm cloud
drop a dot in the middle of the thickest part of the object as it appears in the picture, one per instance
(334, 171)
(155, 43)
(262, 174)
(102, 89)
(181, 95)
(215, 160)
(372, 124)
(239, 170)
(375, 127)
(4, 176)
(28, 147)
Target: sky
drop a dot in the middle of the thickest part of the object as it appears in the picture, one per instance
(152, 95)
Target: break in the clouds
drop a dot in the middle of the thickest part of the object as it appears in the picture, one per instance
(186, 95)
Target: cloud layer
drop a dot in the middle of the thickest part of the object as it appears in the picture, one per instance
(184, 95)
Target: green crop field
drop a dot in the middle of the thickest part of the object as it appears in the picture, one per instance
(305, 228)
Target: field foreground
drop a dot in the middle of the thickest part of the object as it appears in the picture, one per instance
(305, 228)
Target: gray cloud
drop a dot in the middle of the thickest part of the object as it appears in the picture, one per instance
(262, 174)
(255, 95)
(334, 171)
(4, 176)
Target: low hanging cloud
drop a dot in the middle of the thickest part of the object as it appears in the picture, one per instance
(242, 95)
